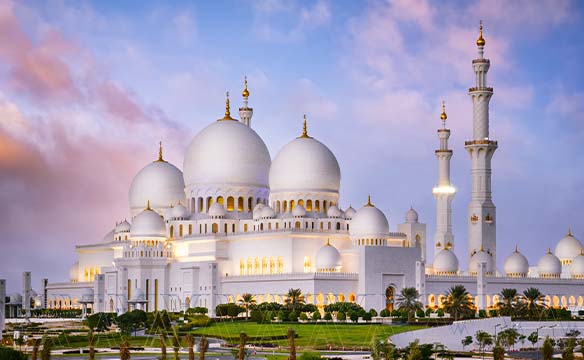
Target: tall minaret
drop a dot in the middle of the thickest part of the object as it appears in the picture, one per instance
(482, 219)
(444, 191)
(245, 112)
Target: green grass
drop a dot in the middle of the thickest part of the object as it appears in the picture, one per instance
(317, 336)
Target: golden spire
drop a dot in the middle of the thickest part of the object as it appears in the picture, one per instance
(304, 130)
(328, 242)
(369, 201)
(160, 152)
(227, 112)
(443, 116)
(482, 250)
(569, 232)
(516, 249)
(148, 205)
(245, 92)
(481, 41)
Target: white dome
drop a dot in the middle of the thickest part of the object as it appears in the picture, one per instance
(15, 298)
(577, 267)
(178, 212)
(267, 212)
(148, 224)
(334, 212)
(298, 211)
(445, 263)
(549, 266)
(258, 211)
(159, 182)
(216, 210)
(305, 164)
(369, 222)
(109, 237)
(480, 257)
(411, 216)
(516, 265)
(328, 259)
(124, 226)
(349, 213)
(74, 272)
(568, 248)
(227, 153)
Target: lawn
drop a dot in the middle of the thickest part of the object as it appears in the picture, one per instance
(318, 336)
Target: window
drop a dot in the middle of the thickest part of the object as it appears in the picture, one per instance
(240, 204)
(209, 202)
(317, 206)
(241, 267)
(307, 264)
(272, 265)
(214, 228)
(190, 229)
(264, 265)
(301, 202)
(200, 204)
(171, 231)
(244, 227)
(292, 205)
(220, 200)
(230, 203)
(180, 230)
(280, 264)
(249, 204)
(308, 205)
(249, 266)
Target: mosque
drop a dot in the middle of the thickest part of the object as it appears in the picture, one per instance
(236, 221)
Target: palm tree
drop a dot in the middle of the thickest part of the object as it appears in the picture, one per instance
(508, 304)
(125, 350)
(408, 301)
(242, 341)
(190, 340)
(294, 298)
(203, 347)
(35, 348)
(458, 302)
(533, 304)
(163, 345)
(246, 301)
(91, 340)
(47, 345)
(291, 336)
(175, 342)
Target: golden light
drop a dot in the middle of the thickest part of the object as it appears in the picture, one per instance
(444, 190)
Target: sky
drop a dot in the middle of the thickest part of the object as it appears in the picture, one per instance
(88, 89)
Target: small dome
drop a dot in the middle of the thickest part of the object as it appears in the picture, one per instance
(177, 212)
(328, 259)
(159, 182)
(74, 272)
(216, 210)
(148, 224)
(298, 211)
(445, 263)
(109, 237)
(549, 266)
(87, 297)
(349, 213)
(369, 222)
(577, 267)
(15, 298)
(411, 216)
(568, 248)
(258, 211)
(305, 164)
(267, 212)
(124, 226)
(516, 265)
(480, 257)
(334, 212)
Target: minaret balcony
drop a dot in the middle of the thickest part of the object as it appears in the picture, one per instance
(480, 142)
(481, 61)
(483, 89)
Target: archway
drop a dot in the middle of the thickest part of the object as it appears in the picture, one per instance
(389, 298)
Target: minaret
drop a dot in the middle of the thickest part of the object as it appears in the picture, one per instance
(482, 219)
(444, 191)
(245, 112)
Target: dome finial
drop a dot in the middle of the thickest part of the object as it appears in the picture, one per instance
(328, 242)
(304, 130)
(369, 201)
(148, 205)
(516, 248)
(482, 249)
(549, 251)
(160, 152)
(245, 92)
(569, 232)
(227, 112)
(443, 115)
(481, 41)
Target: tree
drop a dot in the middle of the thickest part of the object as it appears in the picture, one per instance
(483, 340)
(533, 338)
(376, 349)
(316, 315)
(99, 322)
(466, 341)
(498, 352)
(125, 349)
(532, 304)
(508, 338)
(91, 340)
(408, 301)
(203, 347)
(414, 351)
(163, 345)
(11, 354)
(246, 301)
(547, 350)
(568, 353)
(294, 299)
(47, 346)
(458, 302)
(190, 340)
(507, 305)
(242, 342)
(291, 337)
(175, 339)
(35, 348)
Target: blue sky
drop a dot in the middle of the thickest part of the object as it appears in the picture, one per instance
(88, 89)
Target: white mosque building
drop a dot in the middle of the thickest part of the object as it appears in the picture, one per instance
(236, 221)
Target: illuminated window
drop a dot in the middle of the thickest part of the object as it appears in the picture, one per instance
(307, 264)
(249, 204)
(180, 230)
(292, 205)
(317, 205)
(280, 264)
(249, 266)
(214, 228)
(209, 202)
(301, 202)
(220, 200)
(241, 267)
(272, 265)
(264, 265)
(200, 204)
(245, 227)
(190, 229)
(240, 204)
(256, 265)
(308, 205)
(230, 203)
(284, 206)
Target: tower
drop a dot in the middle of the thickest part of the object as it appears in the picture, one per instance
(444, 191)
(481, 209)
(245, 112)
(26, 293)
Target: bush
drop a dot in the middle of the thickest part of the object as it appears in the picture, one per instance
(372, 312)
(268, 316)
(197, 310)
(440, 313)
(420, 313)
(309, 308)
(341, 316)
(293, 316)
(316, 315)
(200, 321)
(482, 313)
(428, 312)
(271, 306)
(498, 353)
(7, 353)
(282, 316)
(303, 316)
(367, 316)
(328, 316)
(384, 313)
(493, 313)
(229, 309)
(395, 313)
(342, 306)
(354, 316)
(309, 355)
(256, 316)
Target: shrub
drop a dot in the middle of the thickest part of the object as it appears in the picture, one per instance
(373, 312)
(256, 316)
(482, 313)
(420, 313)
(7, 353)
(303, 316)
(547, 350)
(293, 316)
(354, 316)
(440, 313)
(200, 320)
(341, 316)
(229, 309)
(428, 312)
(316, 315)
(282, 315)
(367, 316)
(328, 316)
(395, 313)
(197, 310)
(498, 353)
(384, 313)
(493, 313)
(309, 355)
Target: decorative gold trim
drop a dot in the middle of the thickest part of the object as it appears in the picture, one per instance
(481, 41)
(304, 134)
(245, 92)
(227, 108)
(369, 204)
